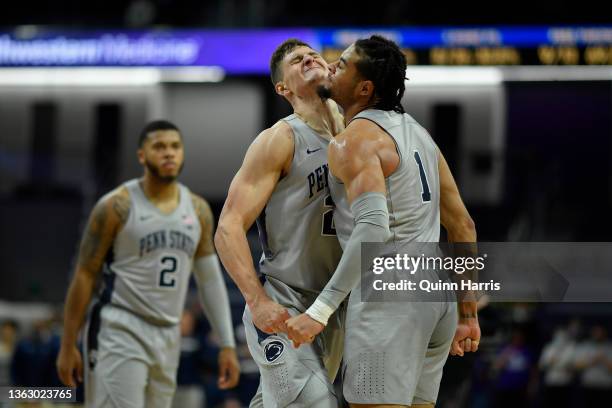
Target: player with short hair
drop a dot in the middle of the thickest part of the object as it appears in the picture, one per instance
(147, 235)
(282, 184)
(390, 184)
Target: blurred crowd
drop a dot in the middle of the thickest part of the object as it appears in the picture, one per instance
(524, 360)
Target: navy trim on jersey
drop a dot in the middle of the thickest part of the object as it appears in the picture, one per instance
(108, 278)
(92, 333)
(263, 234)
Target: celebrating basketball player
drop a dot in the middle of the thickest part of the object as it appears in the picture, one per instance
(282, 185)
(391, 184)
(148, 235)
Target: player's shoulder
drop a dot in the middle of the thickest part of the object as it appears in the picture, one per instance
(359, 135)
(200, 206)
(114, 205)
(280, 132)
(119, 193)
(274, 145)
(199, 202)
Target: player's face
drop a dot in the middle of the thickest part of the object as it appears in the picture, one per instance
(304, 67)
(345, 78)
(162, 154)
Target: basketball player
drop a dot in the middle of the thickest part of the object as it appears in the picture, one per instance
(282, 185)
(149, 234)
(396, 181)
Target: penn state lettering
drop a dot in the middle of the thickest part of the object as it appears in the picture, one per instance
(317, 180)
(164, 239)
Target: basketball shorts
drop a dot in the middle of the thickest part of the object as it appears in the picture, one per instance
(129, 363)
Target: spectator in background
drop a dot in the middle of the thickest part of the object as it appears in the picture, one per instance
(8, 339)
(557, 364)
(249, 374)
(594, 360)
(33, 363)
(515, 368)
(190, 388)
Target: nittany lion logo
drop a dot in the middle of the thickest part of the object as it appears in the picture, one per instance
(273, 350)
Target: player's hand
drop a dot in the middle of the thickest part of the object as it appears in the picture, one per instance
(467, 337)
(269, 316)
(69, 362)
(229, 368)
(303, 329)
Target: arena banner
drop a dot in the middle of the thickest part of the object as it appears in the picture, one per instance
(245, 52)
(501, 271)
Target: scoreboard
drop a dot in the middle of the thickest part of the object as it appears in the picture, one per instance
(506, 55)
(489, 46)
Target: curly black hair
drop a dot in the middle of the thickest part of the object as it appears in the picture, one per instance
(382, 62)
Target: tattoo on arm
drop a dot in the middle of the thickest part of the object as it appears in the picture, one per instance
(90, 244)
(121, 205)
(100, 232)
(202, 209)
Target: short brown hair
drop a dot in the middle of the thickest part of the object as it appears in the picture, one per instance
(281, 51)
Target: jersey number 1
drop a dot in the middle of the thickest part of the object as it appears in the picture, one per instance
(169, 264)
(425, 193)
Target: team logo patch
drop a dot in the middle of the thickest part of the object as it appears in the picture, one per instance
(274, 350)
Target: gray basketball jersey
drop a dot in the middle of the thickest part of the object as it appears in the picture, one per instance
(151, 260)
(413, 190)
(296, 228)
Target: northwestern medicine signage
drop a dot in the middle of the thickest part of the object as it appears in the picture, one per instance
(248, 51)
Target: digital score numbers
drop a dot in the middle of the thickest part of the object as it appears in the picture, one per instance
(503, 55)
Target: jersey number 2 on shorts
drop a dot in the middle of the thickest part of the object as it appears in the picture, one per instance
(169, 266)
(426, 193)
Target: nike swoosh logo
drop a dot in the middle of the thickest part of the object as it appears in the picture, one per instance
(145, 217)
(308, 151)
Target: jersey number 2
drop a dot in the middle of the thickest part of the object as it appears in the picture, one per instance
(426, 193)
(328, 228)
(169, 264)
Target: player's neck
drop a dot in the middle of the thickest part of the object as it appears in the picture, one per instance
(317, 115)
(353, 109)
(159, 191)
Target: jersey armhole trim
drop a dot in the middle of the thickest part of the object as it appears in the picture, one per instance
(286, 120)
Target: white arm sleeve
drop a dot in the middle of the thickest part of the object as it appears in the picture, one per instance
(213, 297)
(371, 225)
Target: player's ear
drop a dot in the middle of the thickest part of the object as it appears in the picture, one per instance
(281, 89)
(366, 88)
(141, 156)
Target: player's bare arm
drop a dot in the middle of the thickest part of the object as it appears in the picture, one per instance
(360, 157)
(266, 161)
(106, 219)
(213, 295)
(460, 227)
(202, 208)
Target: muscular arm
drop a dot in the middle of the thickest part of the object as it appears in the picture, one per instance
(266, 160)
(208, 276)
(453, 214)
(460, 228)
(105, 220)
(355, 158)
